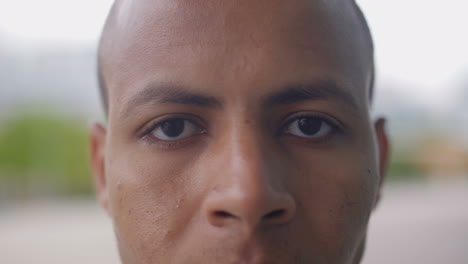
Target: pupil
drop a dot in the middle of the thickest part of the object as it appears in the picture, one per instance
(310, 126)
(173, 128)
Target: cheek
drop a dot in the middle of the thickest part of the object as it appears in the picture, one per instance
(146, 198)
(335, 194)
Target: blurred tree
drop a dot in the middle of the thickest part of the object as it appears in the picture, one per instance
(44, 152)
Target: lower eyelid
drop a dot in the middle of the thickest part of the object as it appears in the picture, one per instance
(168, 144)
(336, 128)
(304, 141)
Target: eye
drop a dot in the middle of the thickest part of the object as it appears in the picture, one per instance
(174, 129)
(309, 127)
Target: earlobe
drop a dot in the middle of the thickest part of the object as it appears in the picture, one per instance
(383, 151)
(97, 155)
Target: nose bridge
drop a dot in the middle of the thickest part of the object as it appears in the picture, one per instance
(248, 167)
(246, 155)
(249, 189)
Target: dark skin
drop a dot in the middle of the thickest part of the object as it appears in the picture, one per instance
(238, 132)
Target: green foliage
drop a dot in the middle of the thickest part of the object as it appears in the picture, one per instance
(44, 151)
(402, 167)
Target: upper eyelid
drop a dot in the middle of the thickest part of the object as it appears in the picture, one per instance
(153, 124)
(295, 116)
(197, 121)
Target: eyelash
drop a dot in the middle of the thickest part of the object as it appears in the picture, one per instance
(169, 144)
(337, 128)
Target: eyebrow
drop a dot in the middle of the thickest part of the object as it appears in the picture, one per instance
(319, 90)
(170, 94)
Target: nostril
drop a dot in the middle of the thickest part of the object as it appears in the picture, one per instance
(220, 218)
(275, 214)
(222, 214)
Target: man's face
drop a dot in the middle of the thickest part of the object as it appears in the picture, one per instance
(238, 132)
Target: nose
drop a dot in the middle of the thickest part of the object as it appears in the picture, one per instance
(251, 207)
(249, 189)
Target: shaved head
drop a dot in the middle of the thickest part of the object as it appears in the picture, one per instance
(123, 17)
(238, 131)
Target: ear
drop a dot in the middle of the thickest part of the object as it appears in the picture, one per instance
(383, 151)
(97, 149)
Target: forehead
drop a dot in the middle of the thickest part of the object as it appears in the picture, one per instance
(233, 46)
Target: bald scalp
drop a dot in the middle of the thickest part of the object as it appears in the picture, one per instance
(121, 18)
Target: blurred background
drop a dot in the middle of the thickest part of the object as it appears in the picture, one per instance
(48, 95)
